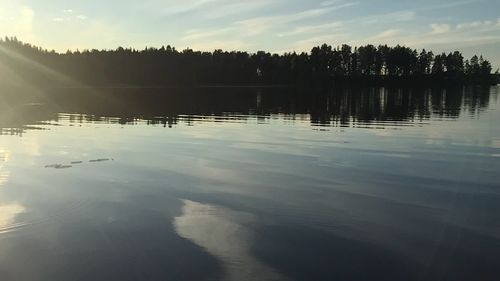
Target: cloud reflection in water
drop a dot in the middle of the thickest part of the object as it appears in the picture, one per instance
(227, 235)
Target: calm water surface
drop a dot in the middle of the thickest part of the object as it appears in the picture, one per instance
(231, 184)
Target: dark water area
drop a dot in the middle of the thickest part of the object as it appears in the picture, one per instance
(250, 184)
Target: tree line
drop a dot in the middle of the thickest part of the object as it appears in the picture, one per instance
(168, 66)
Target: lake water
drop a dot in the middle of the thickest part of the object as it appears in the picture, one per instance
(250, 184)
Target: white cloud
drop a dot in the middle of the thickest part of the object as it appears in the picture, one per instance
(173, 7)
(442, 36)
(438, 28)
(453, 41)
(388, 36)
(301, 30)
(258, 25)
(282, 19)
(305, 45)
(197, 34)
(17, 19)
(68, 16)
(26, 17)
(474, 24)
(235, 8)
(399, 16)
(228, 45)
(449, 5)
(390, 33)
(329, 2)
(190, 5)
(341, 6)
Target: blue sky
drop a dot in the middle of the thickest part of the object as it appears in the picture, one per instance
(472, 26)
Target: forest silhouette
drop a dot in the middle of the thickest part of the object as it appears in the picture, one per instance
(166, 67)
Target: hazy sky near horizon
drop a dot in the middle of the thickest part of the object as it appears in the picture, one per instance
(472, 26)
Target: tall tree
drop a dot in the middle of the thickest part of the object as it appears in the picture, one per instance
(368, 60)
(438, 67)
(454, 63)
(424, 62)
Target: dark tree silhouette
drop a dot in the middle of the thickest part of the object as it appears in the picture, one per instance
(484, 66)
(438, 66)
(473, 68)
(368, 60)
(424, 62)
(454, 63)
(166, 66)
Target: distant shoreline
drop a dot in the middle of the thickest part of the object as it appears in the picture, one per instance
(168, 68)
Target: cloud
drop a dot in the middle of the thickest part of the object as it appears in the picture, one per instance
(390, 33)
(453, 41)
(17, 19)
(312, 29)
(341, 6)
(441, 36)
(68, 15)
(384, 37)
(305, 45)
(408, 15)
(438, 28)
(199, 34)
(228, 45)
(59, 33)
(474, 24)
(399, 16)
(449, 5)
(191, 6)
(329, 2)
(236, 8)
(258, 25)
(282, 19)
(26, 17)
(172, 7)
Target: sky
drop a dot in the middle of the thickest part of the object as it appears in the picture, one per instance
(471, 26)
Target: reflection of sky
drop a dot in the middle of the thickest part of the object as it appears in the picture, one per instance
(399, 188)
(225, 234)
(8, 211)
(4, 174)
(8, 214)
